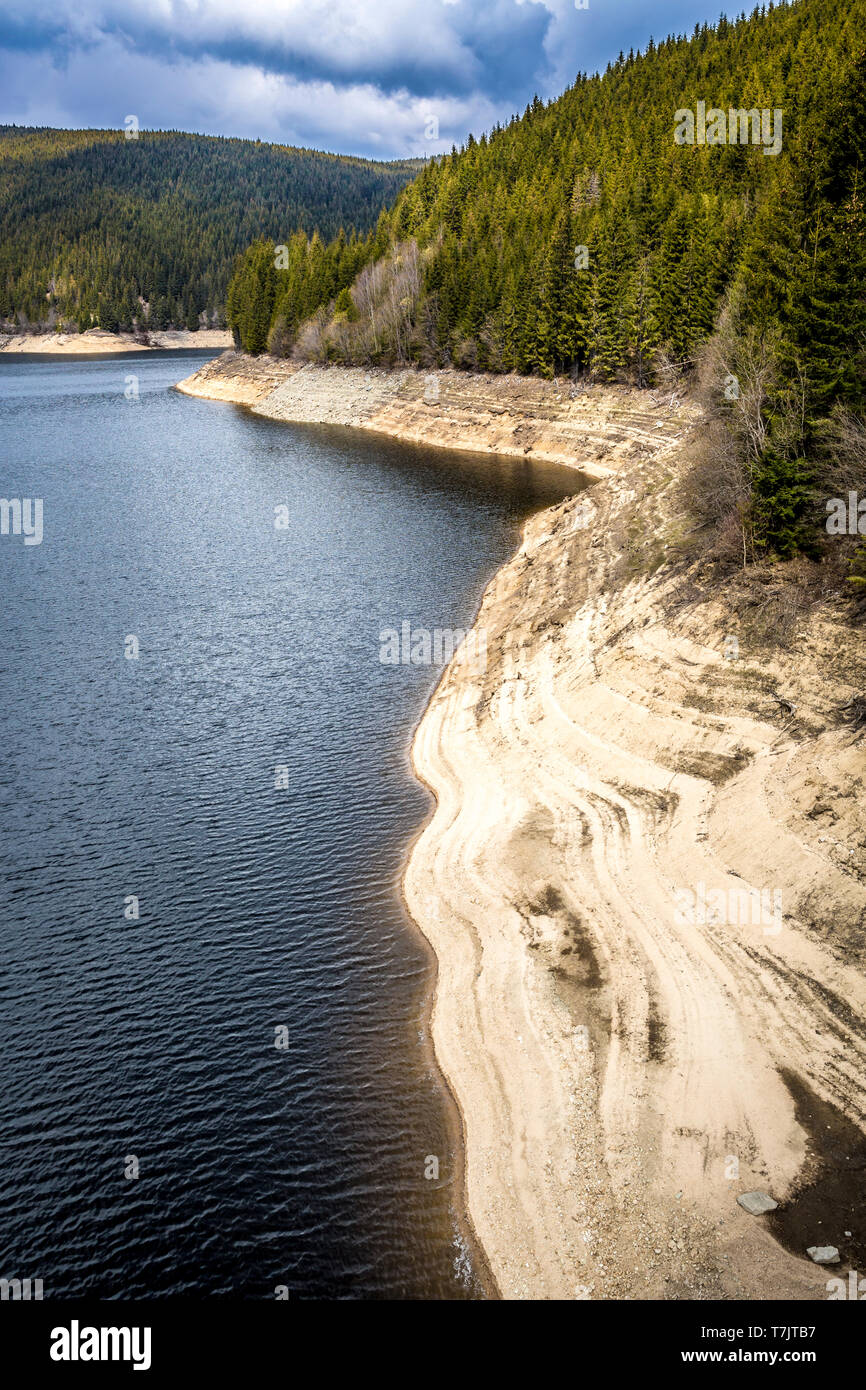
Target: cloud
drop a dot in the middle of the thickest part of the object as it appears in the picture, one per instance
(360, 76)
(229, 98)
(426, 46)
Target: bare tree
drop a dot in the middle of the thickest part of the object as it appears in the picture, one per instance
(845, 469)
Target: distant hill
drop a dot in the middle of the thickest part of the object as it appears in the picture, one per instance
(92, 222)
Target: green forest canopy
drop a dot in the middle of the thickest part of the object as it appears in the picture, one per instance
(582, 238)
(668, 228)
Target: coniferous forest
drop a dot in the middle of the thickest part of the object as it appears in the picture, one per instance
(97, 229)
(589, 237)
(585, 238)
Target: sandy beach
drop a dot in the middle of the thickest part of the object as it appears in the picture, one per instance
(645, 877)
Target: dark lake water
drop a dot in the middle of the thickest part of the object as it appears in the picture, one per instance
(155, 1045)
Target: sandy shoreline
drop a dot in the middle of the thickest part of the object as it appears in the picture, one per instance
(631, 1061)
(99, 341)
(625, 1063)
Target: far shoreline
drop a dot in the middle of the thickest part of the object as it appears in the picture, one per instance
(97, 343)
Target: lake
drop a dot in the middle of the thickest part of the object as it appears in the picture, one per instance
(217, 1076)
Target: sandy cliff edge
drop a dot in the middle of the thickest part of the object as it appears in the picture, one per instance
(627, 1055)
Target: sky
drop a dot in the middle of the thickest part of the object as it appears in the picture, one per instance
(378, 78)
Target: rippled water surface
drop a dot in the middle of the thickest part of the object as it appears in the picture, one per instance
(261, 908)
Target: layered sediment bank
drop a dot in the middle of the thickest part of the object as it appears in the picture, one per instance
(523, 416)
(644, 883)
(645, 877)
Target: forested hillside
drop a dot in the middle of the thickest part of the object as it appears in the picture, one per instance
(92, 223)
(590, 237)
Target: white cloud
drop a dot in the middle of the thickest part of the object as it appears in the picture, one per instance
(359, 76)
(229, 99)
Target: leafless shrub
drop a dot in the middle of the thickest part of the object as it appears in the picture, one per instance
(769, 605)
(464, 354)
(842, 473)
(668, 375)
(845, 440)
(280, 337)
(737, 379)
(854, 711)
(775, 617)
(491, 343)
(737, 372)
(311, 343)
